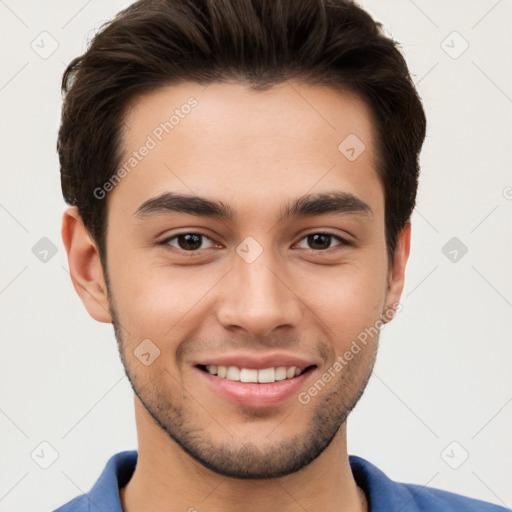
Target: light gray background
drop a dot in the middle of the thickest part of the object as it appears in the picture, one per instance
(444, 365)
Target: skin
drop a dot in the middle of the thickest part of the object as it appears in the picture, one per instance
(254, 151)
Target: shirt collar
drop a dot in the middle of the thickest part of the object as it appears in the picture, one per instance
(104, 495)
(382, 493)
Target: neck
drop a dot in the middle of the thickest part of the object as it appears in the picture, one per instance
(168, 479)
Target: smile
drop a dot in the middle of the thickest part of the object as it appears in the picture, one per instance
(255, 387)
(262, 376)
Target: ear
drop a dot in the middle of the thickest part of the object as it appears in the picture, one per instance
(396, 275)
(85, 266)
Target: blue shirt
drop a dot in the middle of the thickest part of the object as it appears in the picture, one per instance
(383, 494)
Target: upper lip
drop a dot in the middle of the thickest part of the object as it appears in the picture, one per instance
(257, 362)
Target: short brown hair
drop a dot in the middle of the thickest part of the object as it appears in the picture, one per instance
(154, 43)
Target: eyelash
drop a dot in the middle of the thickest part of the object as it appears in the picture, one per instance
(343, 242)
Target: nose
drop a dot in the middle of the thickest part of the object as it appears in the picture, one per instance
(258, 298)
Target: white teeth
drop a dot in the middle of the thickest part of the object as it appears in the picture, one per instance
(290, 372)
(281, 373)
(248, 375)
(265, 375)
(233, 373)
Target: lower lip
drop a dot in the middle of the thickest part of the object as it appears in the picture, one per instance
(250, 394)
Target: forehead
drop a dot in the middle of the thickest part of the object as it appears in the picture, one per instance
(247, 147)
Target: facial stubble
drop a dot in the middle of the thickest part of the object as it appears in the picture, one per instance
(327, 411)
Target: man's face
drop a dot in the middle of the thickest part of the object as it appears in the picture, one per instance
(256, 289)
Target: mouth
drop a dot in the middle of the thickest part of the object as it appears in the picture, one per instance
(255, 387)
(255, 375)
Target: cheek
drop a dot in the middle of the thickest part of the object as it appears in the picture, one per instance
(156, 301)
(161, 302)
(346, 299)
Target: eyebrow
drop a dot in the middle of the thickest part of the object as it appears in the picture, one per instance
(305, 206)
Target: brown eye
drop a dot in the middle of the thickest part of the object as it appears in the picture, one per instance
(322, 241)
(189, 242)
